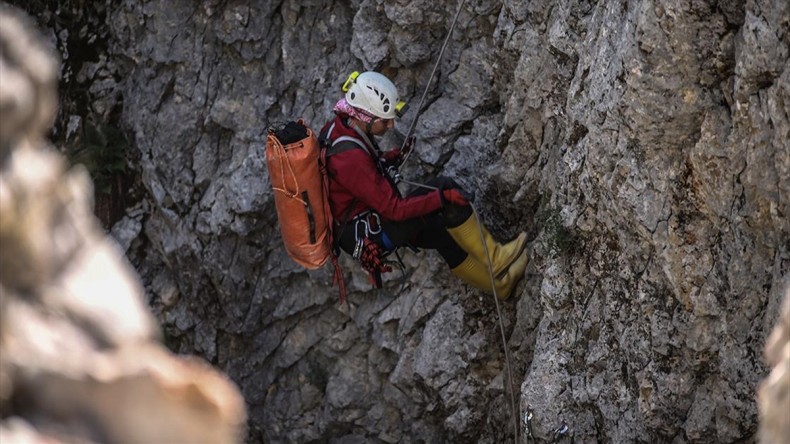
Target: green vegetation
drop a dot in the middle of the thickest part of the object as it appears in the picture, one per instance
(102, 149)
(559, 239)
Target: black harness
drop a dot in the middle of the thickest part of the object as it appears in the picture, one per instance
(367, 225)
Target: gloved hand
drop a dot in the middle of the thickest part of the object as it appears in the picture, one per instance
(397, 155)
(408, 147)
(454, 196)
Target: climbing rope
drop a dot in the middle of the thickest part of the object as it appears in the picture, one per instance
(501, 326)
(498, 309)
(398, 178)
(428, 85)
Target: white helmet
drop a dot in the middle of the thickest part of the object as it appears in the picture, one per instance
(374, 93)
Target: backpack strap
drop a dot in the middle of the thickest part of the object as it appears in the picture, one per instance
(341, 144)
(345, 143)
(328, 148)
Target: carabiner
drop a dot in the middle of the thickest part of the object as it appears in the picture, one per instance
(560, 431)
(528, 421)
(359, 240)
(378, 223)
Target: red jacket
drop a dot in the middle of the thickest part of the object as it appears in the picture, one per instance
(355, 177)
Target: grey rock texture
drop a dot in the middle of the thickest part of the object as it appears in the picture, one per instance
(642, 144)
(80, 359)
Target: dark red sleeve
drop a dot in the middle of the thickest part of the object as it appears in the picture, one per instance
(355, 171)
(392, 156)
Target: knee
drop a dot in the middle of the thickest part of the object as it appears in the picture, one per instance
(455, 215)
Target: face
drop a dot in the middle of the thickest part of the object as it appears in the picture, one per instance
(381, 126)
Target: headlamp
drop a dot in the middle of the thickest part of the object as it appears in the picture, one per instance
(352, 78)
(401, 108)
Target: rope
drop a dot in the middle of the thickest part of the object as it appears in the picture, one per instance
(398, 178)
(501, 327)
(337, 276)
(498, 311)
(428, 85)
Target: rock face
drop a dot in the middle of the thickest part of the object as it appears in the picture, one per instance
(80, 360)
(643, 144)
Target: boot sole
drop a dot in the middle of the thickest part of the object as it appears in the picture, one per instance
(517, 277)
(522, 239)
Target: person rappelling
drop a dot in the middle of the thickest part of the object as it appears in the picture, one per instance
(372, 219)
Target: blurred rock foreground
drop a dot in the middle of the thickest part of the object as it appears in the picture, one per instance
(80, 359)
(774, 396)
(643, 144)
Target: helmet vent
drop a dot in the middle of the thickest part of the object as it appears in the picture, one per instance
(375, 94)
(379, 93)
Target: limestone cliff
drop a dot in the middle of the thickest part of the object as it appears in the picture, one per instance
(644, 145)
(80, 359)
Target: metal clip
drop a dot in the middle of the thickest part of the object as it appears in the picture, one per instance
(365, 225)
(394, 173)
(377, 224)
(528, 421)
(357, 249)
(560, 431)
(360, 239)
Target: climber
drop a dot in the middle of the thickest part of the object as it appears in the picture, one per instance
(371, 217)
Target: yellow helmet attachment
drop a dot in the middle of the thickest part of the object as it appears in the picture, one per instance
(352, 78)
(401, 108)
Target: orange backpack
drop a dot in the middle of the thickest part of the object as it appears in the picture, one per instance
(297, 170)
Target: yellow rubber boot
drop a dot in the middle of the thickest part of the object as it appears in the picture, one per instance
(475, 273)
(467, 236)
(513, 275)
